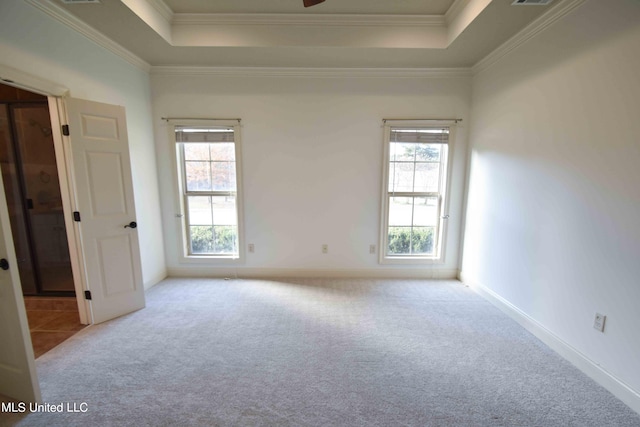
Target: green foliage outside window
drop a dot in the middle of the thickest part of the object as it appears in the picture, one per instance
(214, 239)
(408, 240)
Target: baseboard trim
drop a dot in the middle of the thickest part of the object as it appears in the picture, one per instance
(243, 272)
(155, 280)
(617, 387)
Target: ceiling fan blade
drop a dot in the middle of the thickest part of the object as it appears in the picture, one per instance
(308, 3)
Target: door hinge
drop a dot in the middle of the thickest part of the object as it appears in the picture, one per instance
(87, 295)
(76, 216)
(65, 130)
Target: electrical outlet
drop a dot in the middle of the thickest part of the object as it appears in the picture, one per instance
(325, 249)
(252, 248)
(372, 249)
(598, 322)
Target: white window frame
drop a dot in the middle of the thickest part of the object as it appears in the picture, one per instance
(182, 228)
(443, 192)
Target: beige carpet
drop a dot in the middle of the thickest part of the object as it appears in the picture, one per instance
(316, 352)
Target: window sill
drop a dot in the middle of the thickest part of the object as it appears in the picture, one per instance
(411, 260)
(210, 259)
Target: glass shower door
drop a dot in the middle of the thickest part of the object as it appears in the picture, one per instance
(10, 178)
(42, 199)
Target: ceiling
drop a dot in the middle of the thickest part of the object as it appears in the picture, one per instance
(385, 7)
(282, 33)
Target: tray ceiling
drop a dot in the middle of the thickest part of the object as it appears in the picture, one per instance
(282, 33)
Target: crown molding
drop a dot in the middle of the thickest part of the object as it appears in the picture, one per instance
(454, 10)
(64, 17)
(527, 33)
(422, 73)
(301, 19)
(537, 26)
(162, 8)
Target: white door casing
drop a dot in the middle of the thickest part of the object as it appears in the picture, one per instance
(58, 118)
(18, 378)
(103, 192)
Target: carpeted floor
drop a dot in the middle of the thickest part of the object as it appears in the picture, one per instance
(316, 352)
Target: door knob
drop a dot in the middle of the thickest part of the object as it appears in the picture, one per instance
(4, 264)
(132, 224)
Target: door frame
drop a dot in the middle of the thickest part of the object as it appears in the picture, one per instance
(65, 171)
(55, 95)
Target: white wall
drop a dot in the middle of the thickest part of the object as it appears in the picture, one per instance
(312, 153)
(553, 218)
(36, 44)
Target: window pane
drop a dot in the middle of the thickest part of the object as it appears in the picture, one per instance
(198, 176)
(201, 239)
(399, 240)
(200, 210)
(402, 151)
(226, 239)
(196, 152)
(223, 151)
(411, 241)
(428, 152)
(425, 211)
(209, 165)
(224, 176)
(427, 177)
(220, 238)
(416, 165)
(412, 224)
(224, 210)
(400, 211)
(401, 176)
(422, 240)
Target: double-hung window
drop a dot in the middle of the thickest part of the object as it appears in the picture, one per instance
(208, 158)
(414, 193)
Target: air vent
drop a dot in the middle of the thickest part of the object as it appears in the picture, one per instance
(530, 2)
(80, 1)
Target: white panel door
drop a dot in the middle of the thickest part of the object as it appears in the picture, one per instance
(107, 229)
(18, 378)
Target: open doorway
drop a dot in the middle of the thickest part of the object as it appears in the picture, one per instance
(93, 167)
(34, 201)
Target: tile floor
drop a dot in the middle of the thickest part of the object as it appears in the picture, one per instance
(51, 321)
